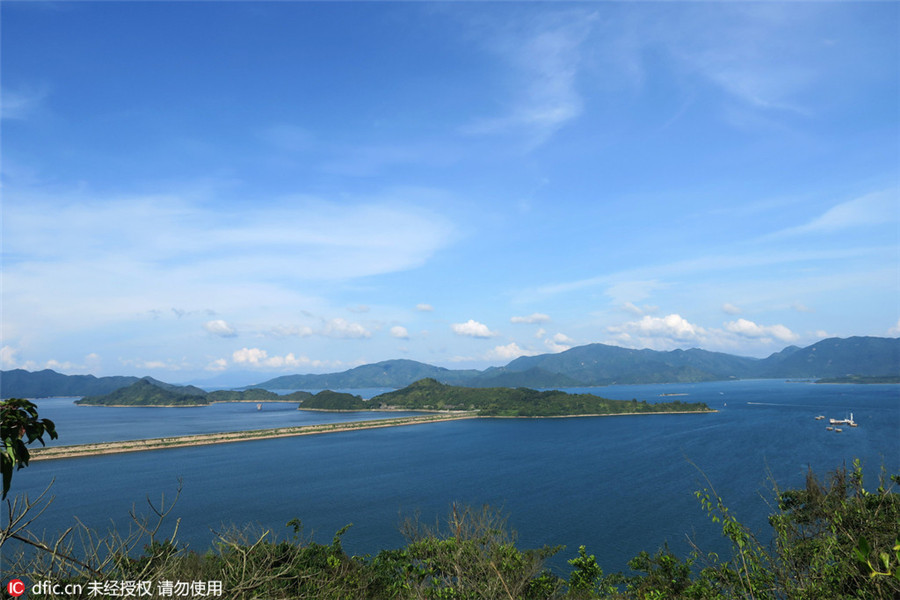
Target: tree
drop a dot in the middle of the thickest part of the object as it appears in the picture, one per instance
(18, 420)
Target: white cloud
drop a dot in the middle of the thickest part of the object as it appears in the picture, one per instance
(508, 352)
(155, 364)
(256, 357)
(399, 332)
(220, 364)
(249, 356)
(658, 331)
(341, 328)
(424, 307)
(472, 328)
(895, 330)
(9, 357)
(749, 329)
(220, 328)
(731, 309)
(559, 342)
(532, 318)
(540, 333)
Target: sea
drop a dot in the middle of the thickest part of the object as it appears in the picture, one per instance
(617, 485)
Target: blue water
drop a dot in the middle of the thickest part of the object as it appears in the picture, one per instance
(85, 424)
(618, 485)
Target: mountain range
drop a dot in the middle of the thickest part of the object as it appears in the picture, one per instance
(590, 365)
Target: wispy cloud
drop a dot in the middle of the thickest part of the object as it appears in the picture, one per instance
(21, 103)
(142, 253)
(341, 328)
(545, 55)
(877, 208)
(220, 328)
(532, 318)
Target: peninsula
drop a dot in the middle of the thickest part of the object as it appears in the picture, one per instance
(203, 439)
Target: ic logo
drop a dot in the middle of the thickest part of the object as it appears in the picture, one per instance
(15, 587)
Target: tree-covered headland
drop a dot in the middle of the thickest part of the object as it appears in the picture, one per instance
(429, 394)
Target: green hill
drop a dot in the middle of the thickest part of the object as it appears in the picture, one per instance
(146, 393)
(149, 392)
(328, 400)
(429, 394)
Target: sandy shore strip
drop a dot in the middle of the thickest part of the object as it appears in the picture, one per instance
(56, 452)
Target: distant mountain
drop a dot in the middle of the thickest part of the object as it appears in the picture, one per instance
(590, 365)
(389, 373)
(44, 384)
(837, 357)
(534, 378)
(599, 364)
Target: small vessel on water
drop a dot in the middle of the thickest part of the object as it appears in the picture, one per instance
(849, 421)
(838, 430)
(259, 406)
(820, 417)
(829, 428)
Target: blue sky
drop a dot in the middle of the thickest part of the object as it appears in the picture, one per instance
(192, 190)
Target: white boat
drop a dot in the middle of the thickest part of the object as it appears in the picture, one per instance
(259, 406)
(849, 421)
(820, 417)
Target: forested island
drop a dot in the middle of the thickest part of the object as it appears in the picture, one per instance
(429, 394)
(149, 392)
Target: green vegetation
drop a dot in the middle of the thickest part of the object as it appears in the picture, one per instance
(149, 392)
(429, 394)
(328, 400)
(19, 419)
(861, 379)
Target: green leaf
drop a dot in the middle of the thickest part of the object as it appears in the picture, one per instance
(7, 479)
